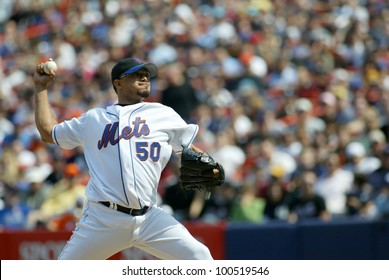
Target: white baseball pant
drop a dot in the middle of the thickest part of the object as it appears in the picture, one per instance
(102, 232)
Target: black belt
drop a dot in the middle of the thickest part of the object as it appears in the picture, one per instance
(129, 211)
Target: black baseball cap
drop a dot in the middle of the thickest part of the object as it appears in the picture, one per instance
(131, 65)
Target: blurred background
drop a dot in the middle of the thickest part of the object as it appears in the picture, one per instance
(291, 96)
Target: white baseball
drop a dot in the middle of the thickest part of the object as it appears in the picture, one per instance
(50, 65)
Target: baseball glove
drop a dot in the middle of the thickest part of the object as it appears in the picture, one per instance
(197, 171)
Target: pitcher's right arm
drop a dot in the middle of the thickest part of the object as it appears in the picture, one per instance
(45, 119)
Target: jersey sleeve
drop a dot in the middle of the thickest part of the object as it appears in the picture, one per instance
(180, 133)
(183, 137)
(70, 133)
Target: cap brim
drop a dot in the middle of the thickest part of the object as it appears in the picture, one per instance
(148, 66)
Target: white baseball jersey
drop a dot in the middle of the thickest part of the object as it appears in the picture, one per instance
(126, 149)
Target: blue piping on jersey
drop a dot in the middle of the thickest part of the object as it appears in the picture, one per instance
(194, 135)
(132, 160)
(55, 135)
(120, 164)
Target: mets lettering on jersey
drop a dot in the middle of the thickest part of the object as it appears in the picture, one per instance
(140, 128)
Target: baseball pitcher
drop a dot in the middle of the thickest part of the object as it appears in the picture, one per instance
(126, 147)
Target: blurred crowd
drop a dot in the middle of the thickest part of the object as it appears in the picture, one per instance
(291, 97)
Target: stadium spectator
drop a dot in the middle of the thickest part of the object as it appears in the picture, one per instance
(13, 213)
(379, 177)
(333, 186)
(305, 204)
(276, 202)
(247, 207)
(359, 161)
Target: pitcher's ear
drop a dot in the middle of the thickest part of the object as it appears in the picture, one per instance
(116, 84)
